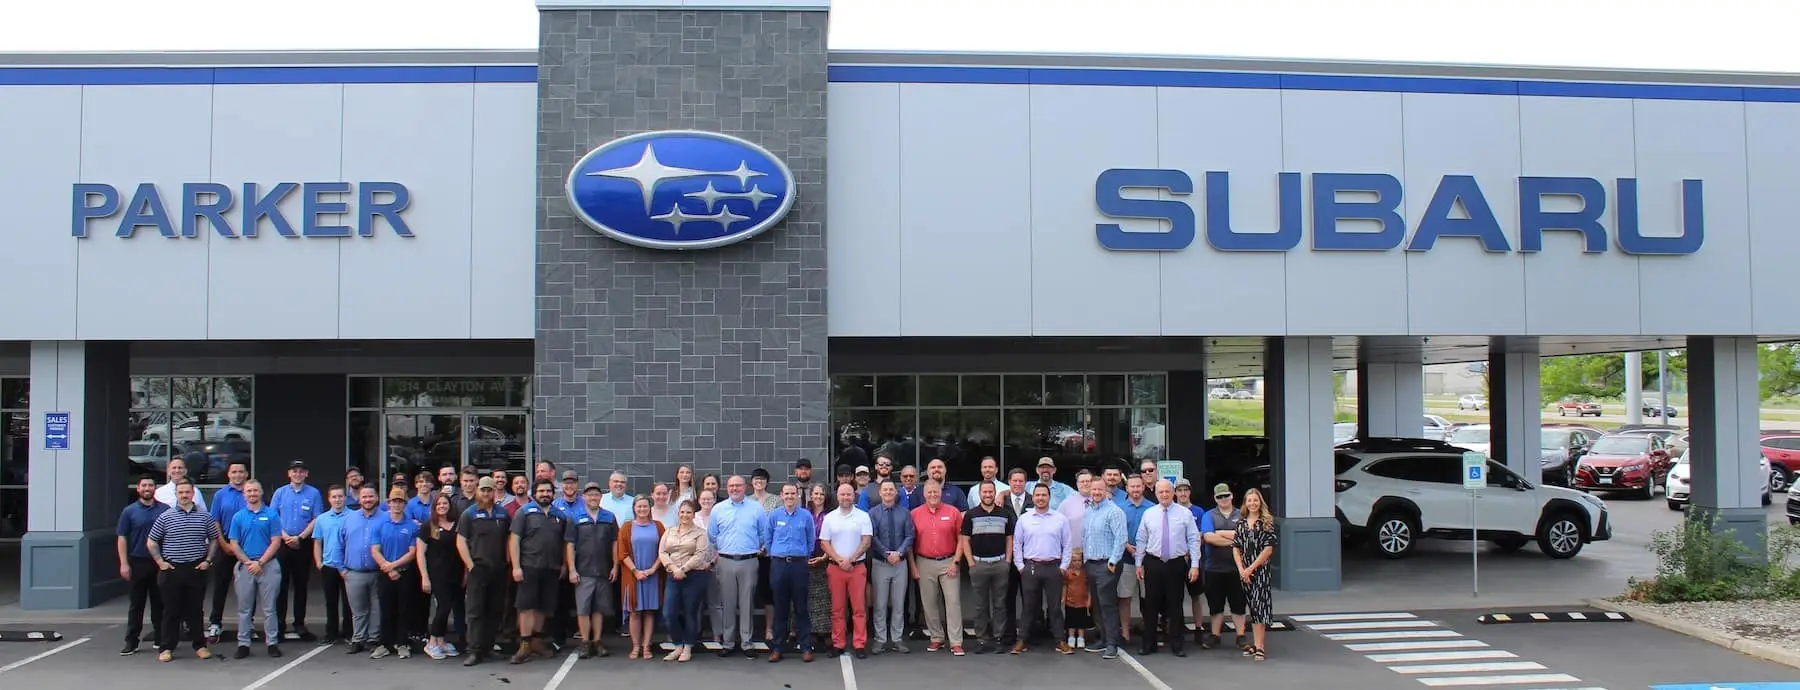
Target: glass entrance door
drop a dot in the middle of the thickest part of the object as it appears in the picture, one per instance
(425, 441)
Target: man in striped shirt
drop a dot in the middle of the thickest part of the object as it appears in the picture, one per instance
(183, 541)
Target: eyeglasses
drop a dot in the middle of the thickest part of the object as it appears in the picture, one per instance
(1221, 497)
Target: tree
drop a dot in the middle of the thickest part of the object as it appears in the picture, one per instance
(1602, 376)
(1777, 366)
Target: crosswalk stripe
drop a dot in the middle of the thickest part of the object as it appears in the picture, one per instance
(1486, 667)
(1372, 625)
(1442, 656)
(1391, 635)
(1522, 679)
(1418, 644)
(1330, 617)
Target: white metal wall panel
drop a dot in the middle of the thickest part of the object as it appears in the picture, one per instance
(503, 249)
(863, 214)
(1707, 292)
(37, 255)
(1774, 176)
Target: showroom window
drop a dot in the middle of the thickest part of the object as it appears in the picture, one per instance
(1079, 420)
(15, 454)
(404, 424)
(181, 416)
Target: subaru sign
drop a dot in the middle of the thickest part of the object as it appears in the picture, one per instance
(1458, 209)
(680, 189)
(251, 206)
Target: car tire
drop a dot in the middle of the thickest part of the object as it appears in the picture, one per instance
(1562, 411)
(1393, 534)
(1511, 544)
(1676, 505)
(1561, 535)
(1779, 479)
(1649, 492)
(1768, 500)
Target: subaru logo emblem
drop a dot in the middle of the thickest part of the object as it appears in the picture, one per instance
(680, 189)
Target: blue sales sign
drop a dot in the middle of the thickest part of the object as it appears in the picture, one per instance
(56, 431)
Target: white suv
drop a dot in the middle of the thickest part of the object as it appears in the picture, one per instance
(1397, 491)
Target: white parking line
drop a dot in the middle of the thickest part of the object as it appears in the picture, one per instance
(1391, 635)
(849, 672)
(286, 667)
(1420, 644)
(1372, 625)
(1523, 679)
(1330, 617)
(35, 657)
(1490, 667)
(562, 672)
(1148, 676)
(1442, 656)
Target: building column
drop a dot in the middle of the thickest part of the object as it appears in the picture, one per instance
(1723, 451)
(1515, 406)
(1185, 429)
(78, 481)
(1390, 397)
(1297, 409)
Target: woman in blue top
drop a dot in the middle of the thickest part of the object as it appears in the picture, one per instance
(641, 581)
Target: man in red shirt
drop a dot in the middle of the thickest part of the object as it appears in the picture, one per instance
(938, 527)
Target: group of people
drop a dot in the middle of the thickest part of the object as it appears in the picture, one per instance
(470, 565)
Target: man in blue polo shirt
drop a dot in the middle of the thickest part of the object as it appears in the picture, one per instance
(226, 503)
(136, 567)
(298, 504)
(252, 535)
(361, 572)
(327, 536)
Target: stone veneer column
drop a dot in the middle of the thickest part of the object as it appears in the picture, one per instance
(648, 359)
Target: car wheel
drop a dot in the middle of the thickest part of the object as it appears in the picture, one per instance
(1511, 544)
(1778, 478)
(1767, 499)
(1562, 412)
(1676, 505)
(1560, 536)
(1649, 492)
(1395, 534)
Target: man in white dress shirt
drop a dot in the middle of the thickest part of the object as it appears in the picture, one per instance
(165, 494)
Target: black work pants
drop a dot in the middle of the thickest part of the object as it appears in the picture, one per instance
(222, 581)
(183, 594)
(486, 606)
(143, 589)
(397, 606)
(1041, 587)
(296, 572)
(337, 603)
(1165, 585)
(447, 592)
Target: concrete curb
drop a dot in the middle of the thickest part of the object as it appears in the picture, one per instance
(1732, 641)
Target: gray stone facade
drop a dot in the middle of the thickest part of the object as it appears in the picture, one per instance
(648, 359)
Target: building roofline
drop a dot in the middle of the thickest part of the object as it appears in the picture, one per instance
(298, 58)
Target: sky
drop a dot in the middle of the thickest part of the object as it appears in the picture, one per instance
(1702, 35)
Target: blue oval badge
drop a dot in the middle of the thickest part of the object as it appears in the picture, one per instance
(681, 189)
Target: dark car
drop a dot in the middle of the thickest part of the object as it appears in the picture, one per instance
(1560, 448)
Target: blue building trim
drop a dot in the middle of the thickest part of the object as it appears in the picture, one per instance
(1058, 76)
(310, 74)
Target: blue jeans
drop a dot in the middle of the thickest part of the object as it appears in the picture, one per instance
(789, 581)
(683, 606)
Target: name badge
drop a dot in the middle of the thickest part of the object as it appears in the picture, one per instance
(945, 518)
(781, 523)
(306, 507)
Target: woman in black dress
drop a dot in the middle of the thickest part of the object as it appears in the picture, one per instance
(441, 572)
(1256, 539)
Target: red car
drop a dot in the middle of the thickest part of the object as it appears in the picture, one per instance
(1621, 462)
(1782, 448)
(1579, 408)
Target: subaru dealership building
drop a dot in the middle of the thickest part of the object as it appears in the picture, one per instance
(687, 233)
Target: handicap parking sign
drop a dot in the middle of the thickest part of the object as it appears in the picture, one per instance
(1474, 470)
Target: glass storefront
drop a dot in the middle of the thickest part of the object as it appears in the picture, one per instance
(15, 456)
(404, 424)
(1078, 419)
(213, 416)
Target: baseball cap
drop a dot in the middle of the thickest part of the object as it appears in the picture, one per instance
(1183, 482)
(485, 483)
(297, 465)
(862, 469)
(1221, 490)
(571, 476)
(844, 469)
(803, 462)
(591, 486)
(1046, 462)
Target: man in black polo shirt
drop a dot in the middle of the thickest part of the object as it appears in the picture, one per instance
(136, 567)
(986, 541)
(591, 534)
(537, 558)
(481, 538)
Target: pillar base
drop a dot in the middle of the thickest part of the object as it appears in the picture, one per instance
(60, 571)
(1310, 556)
(1747, 526)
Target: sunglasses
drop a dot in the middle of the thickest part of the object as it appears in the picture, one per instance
(1221, 496)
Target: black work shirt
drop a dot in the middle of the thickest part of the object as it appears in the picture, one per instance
(987, 530)
(486, 532)
(540, 532)
(593, 536)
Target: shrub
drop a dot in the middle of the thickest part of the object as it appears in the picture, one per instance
(1698, 562)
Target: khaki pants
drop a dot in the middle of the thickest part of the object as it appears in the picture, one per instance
(941, 597)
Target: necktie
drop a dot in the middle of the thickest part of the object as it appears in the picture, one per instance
(1168, 548)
